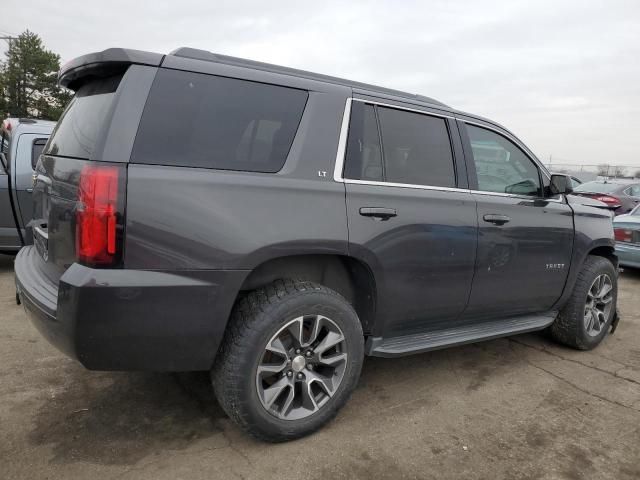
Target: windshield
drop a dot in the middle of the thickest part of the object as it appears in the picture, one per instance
(596, 187)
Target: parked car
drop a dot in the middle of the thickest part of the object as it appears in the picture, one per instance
(620, 197)
(21, 142)
(201, 212)
(575, 181)
(627, 233)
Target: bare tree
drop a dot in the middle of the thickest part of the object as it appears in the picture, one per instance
(603, 169)
(619, 171)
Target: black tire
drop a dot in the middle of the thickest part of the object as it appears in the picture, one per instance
(569, 328)
(255, 319)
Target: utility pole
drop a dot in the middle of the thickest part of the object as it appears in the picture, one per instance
(9, 39)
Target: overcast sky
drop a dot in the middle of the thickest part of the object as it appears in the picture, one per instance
(563, 75)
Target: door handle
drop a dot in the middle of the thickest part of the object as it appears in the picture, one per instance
(378, 212)
(496, 219)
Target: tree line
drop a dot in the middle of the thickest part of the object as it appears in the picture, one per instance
(28, 80)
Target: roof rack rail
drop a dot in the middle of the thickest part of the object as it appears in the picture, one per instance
(205, 55)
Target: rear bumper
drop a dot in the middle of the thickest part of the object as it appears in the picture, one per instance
(628, 255)
(130, 319)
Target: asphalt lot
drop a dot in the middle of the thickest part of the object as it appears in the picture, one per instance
(519, 408)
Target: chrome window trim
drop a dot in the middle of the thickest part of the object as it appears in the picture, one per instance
(342, 148)
(404, 185)
(342, 142)
(390, 105)
(515, 195)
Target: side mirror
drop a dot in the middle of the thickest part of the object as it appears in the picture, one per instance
(560, 184)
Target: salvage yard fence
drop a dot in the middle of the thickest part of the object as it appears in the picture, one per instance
(593, 172)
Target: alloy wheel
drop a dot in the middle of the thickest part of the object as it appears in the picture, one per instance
(597, 309)
(301, 367)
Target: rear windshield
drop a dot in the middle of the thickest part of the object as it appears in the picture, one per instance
(597, 187)
(77, 130)
(198, 120)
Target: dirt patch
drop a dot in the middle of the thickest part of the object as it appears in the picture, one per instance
(121, 418)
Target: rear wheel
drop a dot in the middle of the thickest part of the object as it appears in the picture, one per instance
(290, 359)
(587, 315)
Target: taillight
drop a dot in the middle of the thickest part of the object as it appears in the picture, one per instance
(623, 235)
(97, 239)
(608, 199)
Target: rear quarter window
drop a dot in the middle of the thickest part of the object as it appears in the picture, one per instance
(206, 121)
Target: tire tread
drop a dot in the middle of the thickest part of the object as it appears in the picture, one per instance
(567, 328)
(244, 326)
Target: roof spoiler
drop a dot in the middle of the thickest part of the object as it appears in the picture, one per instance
(103, 64)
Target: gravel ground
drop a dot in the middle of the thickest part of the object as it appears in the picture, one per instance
(518, 408)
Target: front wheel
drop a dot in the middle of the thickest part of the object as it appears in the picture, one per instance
(585, 319)
(290, 359)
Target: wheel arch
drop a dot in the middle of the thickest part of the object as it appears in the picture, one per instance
(347, 275)
(600, 248)
(606, 251)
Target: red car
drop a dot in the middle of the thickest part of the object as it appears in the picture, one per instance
(619, 197)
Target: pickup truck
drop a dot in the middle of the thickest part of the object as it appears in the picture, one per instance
(21, 143)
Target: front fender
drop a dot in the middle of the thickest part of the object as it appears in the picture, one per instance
(593, 233)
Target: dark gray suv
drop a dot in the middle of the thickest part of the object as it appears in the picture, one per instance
(200, 212)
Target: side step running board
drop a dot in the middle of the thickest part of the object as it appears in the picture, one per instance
(424, 342)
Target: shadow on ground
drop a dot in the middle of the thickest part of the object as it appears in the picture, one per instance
(121, 418)
(6, 263)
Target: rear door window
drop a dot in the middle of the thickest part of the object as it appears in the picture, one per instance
(364, 155)
(84, 119)
(416, 148)
(199, 120)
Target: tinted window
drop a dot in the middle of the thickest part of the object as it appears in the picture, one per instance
(501, 166)
(416, 148)
(364, 158)
(84, 119)
(36, 150)
(206, 121)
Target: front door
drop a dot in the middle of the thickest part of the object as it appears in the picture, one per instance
(408, 218)
(525, 239)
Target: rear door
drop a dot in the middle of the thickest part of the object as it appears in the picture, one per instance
(410, 215)
(525, 237)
